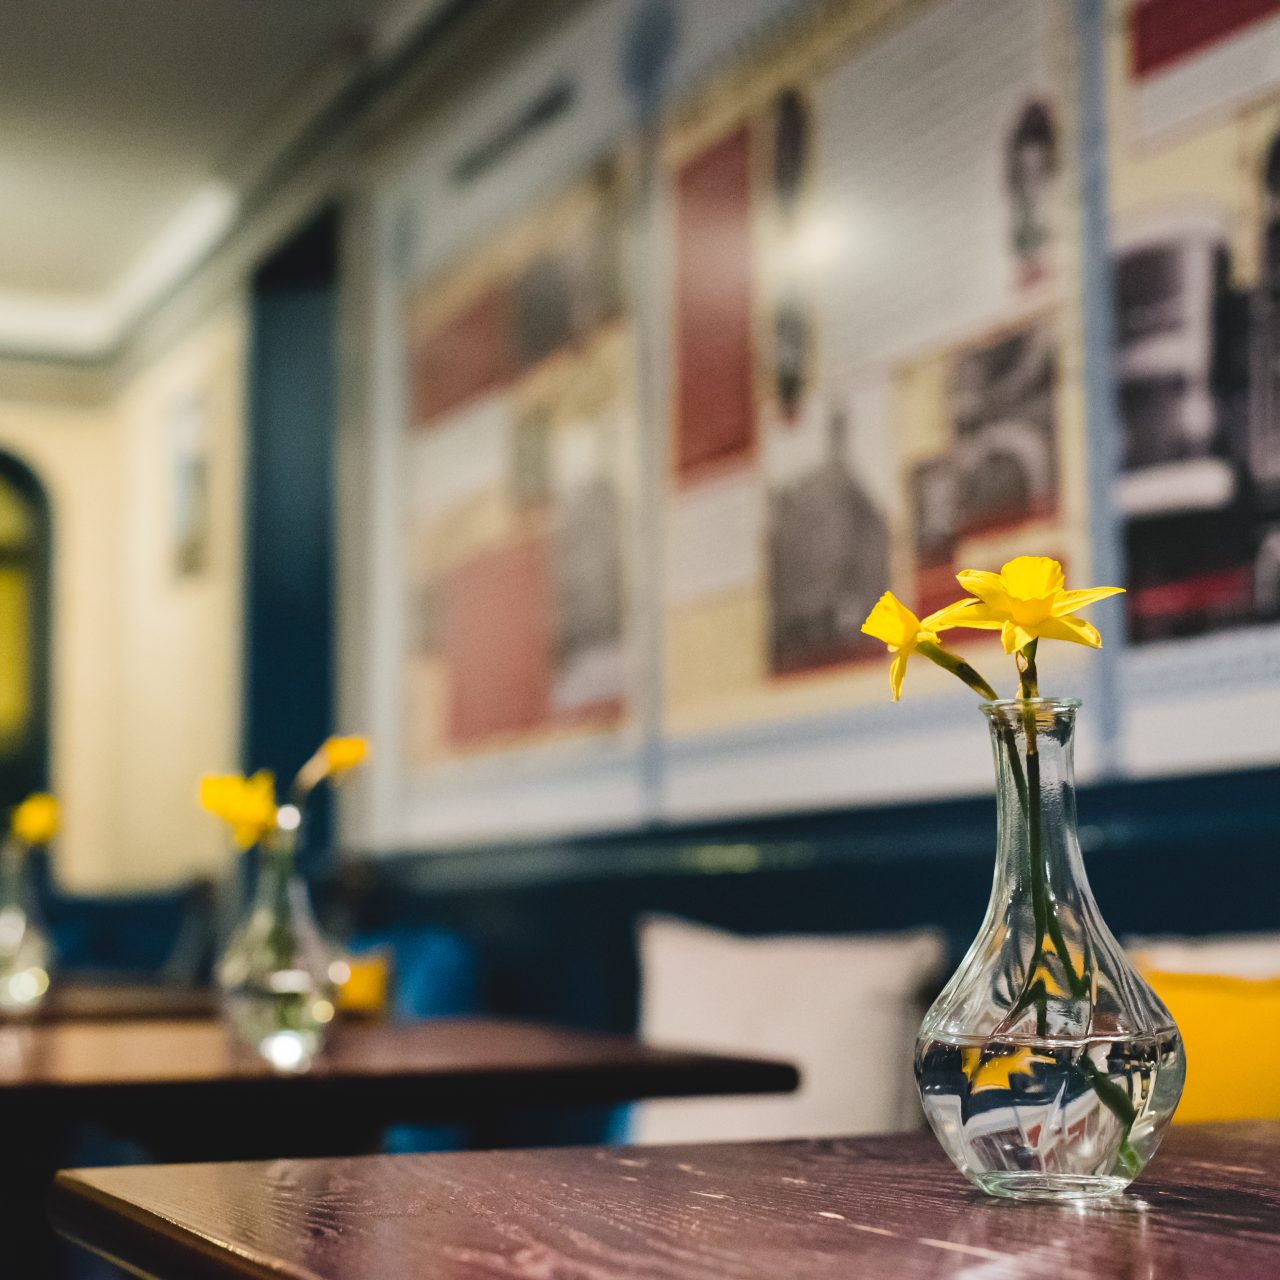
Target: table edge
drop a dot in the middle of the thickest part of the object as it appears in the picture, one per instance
(133, 1238)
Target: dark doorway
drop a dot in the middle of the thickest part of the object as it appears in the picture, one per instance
(289, 510)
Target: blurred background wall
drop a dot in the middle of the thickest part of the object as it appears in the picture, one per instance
(655, 338)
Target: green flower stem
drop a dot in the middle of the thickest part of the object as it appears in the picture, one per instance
(1078, 982)
(1120, 1105)
(954, 663)
(1029, 689)
(276, 855)
(1046, 917)
(1109, 1093)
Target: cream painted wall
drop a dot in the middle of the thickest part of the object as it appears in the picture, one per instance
(75, 453)
(146, 664)
(180, 637)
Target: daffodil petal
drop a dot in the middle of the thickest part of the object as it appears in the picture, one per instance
(1076, 629)
(978, 615)
(951, 616)
(986, 586)
(898, 672)
(891, 621)
(1070, 601)
(1014, 637)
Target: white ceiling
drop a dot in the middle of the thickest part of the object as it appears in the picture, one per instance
(127, 131)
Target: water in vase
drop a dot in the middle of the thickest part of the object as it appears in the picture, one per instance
(287, 1027)
(1038, 1119)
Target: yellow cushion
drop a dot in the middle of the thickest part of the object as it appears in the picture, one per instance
(1231, 1029)
(365, 991)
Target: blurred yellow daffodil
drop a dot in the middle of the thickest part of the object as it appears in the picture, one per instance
(219, 793)
(893, 623)
(342, 754)
(335, 756)
(1027, 600)
(246, 805)
(36, 820)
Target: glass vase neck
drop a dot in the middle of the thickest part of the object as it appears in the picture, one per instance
(15, 880)
(1044, 963)
(1033, 743)
(276, 868)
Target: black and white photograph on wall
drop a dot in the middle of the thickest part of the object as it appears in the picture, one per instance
(1185, 491)
(1031, 166)
(588, 573)
(828, 556)
(828, 541)
(1264, 399)
(1005, 457)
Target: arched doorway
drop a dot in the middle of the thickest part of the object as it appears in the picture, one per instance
(25, 554)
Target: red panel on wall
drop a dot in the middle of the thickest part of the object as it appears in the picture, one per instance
(1167, 30)
(498, 643)
(465, 356)
(715, 405)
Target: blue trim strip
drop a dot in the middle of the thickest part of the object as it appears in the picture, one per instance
(1213, 811)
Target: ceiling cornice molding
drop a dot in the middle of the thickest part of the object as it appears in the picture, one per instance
(318, 118)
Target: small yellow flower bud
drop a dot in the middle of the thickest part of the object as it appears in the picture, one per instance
(36, 820)
(342, 754)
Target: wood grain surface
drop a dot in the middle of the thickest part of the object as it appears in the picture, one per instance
(187, 1091)
(115, 1002)
(852, 1209)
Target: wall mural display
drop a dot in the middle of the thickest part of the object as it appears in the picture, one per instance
(1196, 219)
(689, 372)
(865, 329)
(516, 473)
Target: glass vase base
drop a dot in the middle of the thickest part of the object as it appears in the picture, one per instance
(289, 1051)
(285, 1030)
(1016, 1185)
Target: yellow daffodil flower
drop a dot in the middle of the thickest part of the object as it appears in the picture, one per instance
(219, 793)
(337, 755)
(1027, 600)
(36, 820)
(893, 623)
(246, 805)
(342, 754)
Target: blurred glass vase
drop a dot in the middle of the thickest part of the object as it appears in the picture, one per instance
(24, 945)
(279, 975)
(1047, 1067)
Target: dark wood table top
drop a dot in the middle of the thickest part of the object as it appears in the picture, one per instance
(185, 1088)
(870, 1208)
(125, 1001)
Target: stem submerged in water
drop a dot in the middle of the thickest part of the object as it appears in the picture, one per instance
(1045, 913)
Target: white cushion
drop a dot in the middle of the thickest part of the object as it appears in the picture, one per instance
(1236, 955)
(844, 1009)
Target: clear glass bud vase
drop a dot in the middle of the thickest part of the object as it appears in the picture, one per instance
(24, 945)
(279, 975)
(1047, 1067)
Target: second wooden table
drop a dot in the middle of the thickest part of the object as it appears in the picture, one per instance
(186, 1091)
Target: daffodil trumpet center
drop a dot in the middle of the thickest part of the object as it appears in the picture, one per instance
(1030, 613)
(954, 663)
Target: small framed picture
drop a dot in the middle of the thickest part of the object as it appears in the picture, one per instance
(189, 449)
